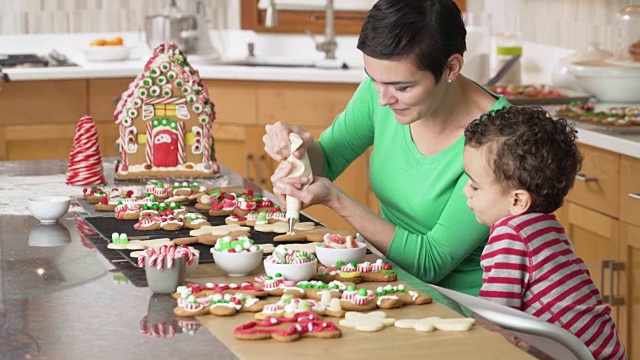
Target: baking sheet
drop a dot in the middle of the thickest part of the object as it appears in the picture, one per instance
(570, 96)
(620, 130)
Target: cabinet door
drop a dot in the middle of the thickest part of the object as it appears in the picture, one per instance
(629, 313)
(596, 186)
(233, 145)
(630, 190)
(37, 142)
(104, 95)
(235, 101)
(43, 102)
(595, 239)
(303, 104)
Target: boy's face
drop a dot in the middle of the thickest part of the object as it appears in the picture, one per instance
(488, 200)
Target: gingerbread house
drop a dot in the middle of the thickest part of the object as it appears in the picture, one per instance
(165, 119)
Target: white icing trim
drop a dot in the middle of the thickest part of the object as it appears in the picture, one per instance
(182, 112)
(147, 112)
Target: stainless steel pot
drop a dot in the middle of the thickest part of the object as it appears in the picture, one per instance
(179, 29)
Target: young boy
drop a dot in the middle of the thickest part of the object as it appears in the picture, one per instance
(521, 164)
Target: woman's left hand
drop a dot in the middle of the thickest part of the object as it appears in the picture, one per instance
(320, 191)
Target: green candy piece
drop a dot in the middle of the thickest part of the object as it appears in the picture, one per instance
(340, 263)
(362, 292)
(236, 243)
(262, 216)
(304, 305)
(353, 263)
(278, 275)
(351, 287)
(269, 277)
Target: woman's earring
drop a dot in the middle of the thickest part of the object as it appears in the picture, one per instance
(449, 81)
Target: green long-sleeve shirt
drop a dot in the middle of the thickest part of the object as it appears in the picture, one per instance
(437, 237)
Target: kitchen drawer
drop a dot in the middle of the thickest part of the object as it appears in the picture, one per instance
(303, 104)
(104, 95)
(42, 102)
(630, 190)
(596, 186)
(235, 101)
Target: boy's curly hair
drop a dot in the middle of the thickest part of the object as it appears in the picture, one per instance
(529, 150)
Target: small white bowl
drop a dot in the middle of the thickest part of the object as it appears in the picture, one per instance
(329, 256)
(293, 272)
(608, 83)
(107, 53)
(237, 264)
(48, 209)
(49, 235)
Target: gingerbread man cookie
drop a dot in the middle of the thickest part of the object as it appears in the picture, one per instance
(435, 323)
(315, 234)
(302, 324)
(369, 322)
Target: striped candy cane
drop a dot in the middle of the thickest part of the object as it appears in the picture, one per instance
(206, 144)
(124, 165)
(180, 142)
(149, 147)
(179, 100)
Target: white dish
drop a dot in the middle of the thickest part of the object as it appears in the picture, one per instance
(107, 53)
(48, 209)
(329, 256)
(608, 83)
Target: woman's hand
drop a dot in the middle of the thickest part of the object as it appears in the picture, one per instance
(277, 144)
(320, 191)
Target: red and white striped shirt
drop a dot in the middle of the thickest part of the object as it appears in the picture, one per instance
(529, 264)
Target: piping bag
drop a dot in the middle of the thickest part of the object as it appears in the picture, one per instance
(301, 167)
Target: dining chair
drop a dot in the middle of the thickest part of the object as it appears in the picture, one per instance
(550, 338)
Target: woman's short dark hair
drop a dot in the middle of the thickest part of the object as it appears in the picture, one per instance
(428, 31)
(529, 150)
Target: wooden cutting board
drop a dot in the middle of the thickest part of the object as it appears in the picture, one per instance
(389, 343)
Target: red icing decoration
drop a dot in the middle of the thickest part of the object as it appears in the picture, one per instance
(303, 322)
(387, 266)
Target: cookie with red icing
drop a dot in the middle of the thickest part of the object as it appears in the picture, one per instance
(216, 304)
(302, 324)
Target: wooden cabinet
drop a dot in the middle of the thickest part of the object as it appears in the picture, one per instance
(601, 217)
(629, 309)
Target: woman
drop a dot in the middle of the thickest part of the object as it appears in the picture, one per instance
(413, 109)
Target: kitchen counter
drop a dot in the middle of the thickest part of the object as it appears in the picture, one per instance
(62, 298)
(72, 45)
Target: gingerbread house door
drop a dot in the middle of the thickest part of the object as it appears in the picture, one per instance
(165, 149)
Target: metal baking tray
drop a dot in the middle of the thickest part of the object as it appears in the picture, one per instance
(570, 96)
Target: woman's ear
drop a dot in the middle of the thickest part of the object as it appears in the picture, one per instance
(521, 201)
(454, 66)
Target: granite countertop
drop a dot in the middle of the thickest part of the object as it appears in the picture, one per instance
(65, 296)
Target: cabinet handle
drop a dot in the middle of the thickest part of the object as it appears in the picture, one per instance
(634, 196)
(612, 265)
(247, 166)
(583, 177)
(261, 180)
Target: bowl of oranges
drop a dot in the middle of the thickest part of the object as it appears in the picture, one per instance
(107, 50)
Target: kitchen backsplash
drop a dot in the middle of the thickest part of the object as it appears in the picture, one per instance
(563, 23)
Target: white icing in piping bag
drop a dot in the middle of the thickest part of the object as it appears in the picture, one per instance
(301, 167)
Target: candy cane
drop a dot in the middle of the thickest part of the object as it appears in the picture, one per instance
(206, 144)
(180, 142)
(123, 149)
(149, 101)
(148, 149)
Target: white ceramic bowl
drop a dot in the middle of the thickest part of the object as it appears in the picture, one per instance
(237, 264)
(293, 272)
(330, 256)
(48, 209)
(107, 53)
(49, 235)
(608, 83)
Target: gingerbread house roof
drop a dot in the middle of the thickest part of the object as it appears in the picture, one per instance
(167, 78)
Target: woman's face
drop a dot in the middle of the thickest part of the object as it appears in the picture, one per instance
(410, 93)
